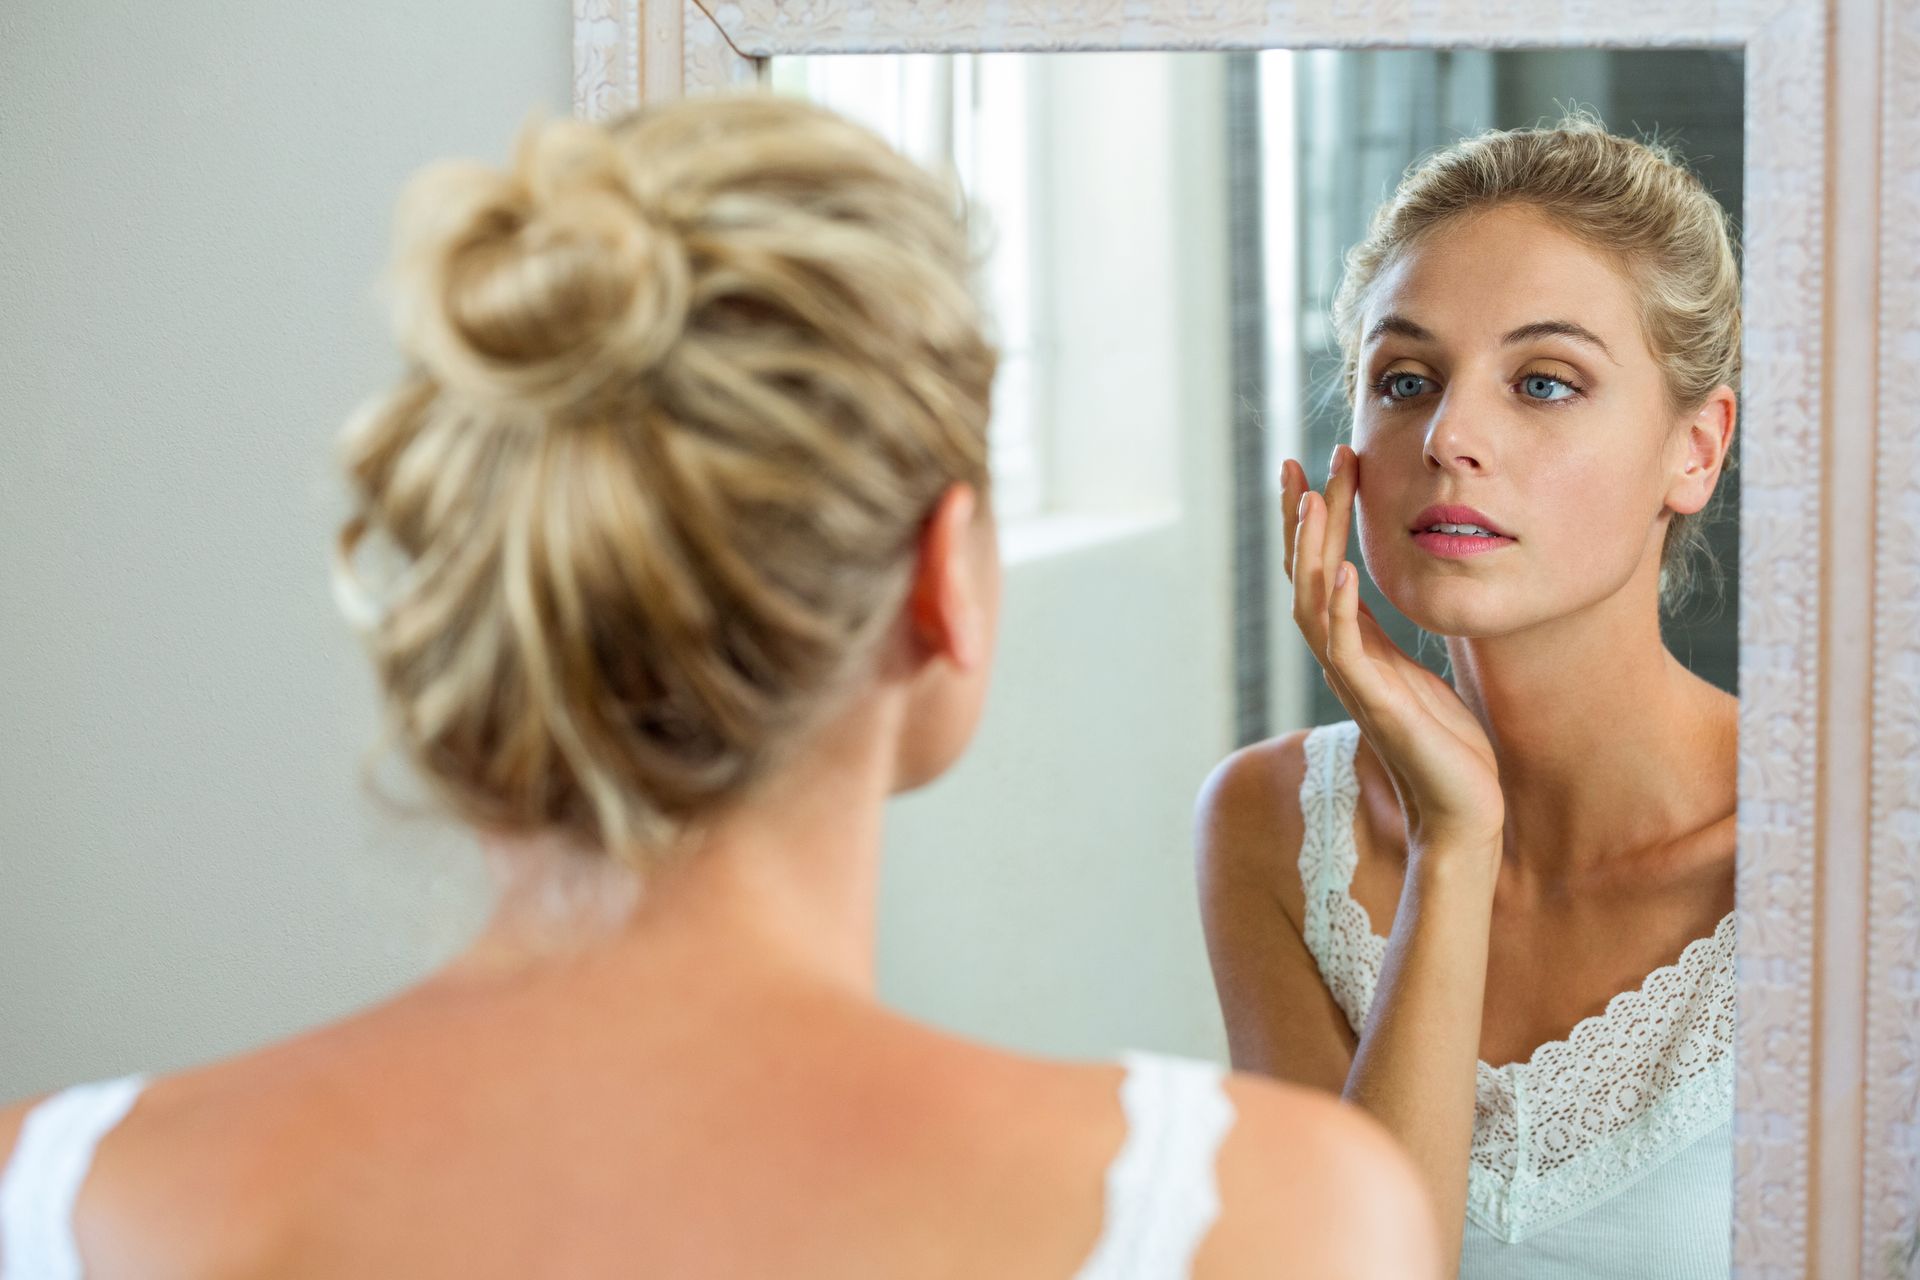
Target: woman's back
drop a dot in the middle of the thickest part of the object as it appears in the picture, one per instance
(468, 1129)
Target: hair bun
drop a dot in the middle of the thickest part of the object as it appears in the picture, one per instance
(542, 284)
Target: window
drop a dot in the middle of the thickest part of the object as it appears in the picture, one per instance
(971, 115)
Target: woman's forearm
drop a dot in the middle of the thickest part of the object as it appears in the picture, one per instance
(1414, 1068)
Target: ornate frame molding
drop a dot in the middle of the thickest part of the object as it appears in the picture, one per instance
(1827, 1128)
(1892, 1068)
(626, 51)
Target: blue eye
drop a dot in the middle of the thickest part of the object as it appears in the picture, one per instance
(1400, 386)
(1539, 386)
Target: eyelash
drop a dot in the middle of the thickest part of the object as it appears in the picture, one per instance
(1380, 385)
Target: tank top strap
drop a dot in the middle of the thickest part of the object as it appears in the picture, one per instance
(43, 1179)
(1337, 931)
(1328, 795)
(1162, 1195)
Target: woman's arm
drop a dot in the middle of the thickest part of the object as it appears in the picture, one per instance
(1414, 1066)
(1312, 1189)
(1414, 1069)
(1281, 1019)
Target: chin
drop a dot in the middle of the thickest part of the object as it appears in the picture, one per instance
(1448, 605)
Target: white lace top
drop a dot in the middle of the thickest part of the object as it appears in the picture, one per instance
(1607, 1154)
(1161, 1195)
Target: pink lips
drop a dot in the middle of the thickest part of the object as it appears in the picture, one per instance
(1457, 546)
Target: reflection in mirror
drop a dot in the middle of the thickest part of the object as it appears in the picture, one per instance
(1041, 894)
(1358, 119)
(1508, 929)
(1149, 629)
(1168, 233)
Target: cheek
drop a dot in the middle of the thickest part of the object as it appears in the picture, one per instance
(1375, 536)
(1587, 504)
(1384, 491)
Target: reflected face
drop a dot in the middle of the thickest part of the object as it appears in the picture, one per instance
(1504, 387)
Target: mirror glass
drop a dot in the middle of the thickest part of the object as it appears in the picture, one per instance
(1164, 235)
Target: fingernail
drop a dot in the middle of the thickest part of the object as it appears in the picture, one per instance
(1333, 466)
(1340, 578)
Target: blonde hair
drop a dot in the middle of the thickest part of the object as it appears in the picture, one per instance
(1635, 200)
(682, 390)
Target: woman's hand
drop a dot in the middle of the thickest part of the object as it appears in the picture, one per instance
(1434, 750)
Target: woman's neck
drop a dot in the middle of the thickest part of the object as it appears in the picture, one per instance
(783, 887)
(1606, 744)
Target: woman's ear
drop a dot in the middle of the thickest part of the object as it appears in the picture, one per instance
(1709, 436)
(946, 615)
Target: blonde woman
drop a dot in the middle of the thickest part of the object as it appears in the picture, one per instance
(685, 496)
(1497, 912)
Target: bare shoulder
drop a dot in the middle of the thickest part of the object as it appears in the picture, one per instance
(113, 1216)
(1308, 1186)
(1319, 1188)
(13, 1118)
(1247, 822)
(1074, 1108)
(205, 1173)
(192, 1144)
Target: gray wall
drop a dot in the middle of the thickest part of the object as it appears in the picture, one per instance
(194, 202)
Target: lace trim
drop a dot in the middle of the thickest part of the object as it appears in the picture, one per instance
(1162, 1194)
(1584, 1117)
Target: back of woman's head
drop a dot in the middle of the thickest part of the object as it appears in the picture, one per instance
(681, 391)
(1633, 200)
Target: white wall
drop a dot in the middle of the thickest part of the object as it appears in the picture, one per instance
(194, 201)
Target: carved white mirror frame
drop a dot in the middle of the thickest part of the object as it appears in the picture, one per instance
(1827, 1142)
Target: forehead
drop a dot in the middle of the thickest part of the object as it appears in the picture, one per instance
(1476, 277)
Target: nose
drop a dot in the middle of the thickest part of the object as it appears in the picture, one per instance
(1457, 438)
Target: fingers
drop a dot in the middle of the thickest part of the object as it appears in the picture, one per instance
(1342, 481)
(1316, 529)
(1309, 575)
(1293, 482)
(1346, 653)
(1337, 505)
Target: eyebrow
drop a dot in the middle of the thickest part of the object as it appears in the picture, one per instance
(1394, 323)
(1557, 329)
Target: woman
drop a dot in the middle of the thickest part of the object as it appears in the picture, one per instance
(686, 495)
(1498, 913)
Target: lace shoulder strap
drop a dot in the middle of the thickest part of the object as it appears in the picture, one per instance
(1162, 1196)
(1328, 795)
(1338, 933)
(42, 1181)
